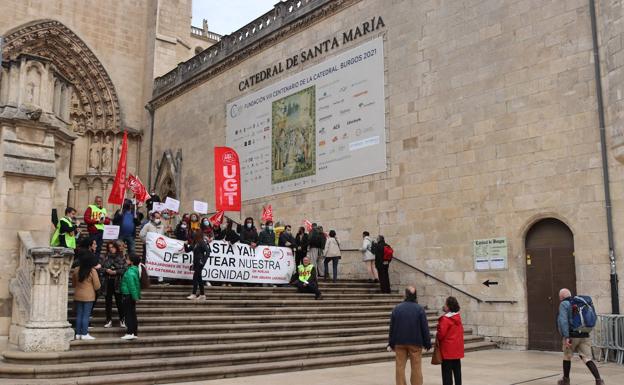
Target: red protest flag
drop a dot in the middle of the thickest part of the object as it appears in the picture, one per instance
(267, 213)
(118, 192)
(227, 179)
(216, 219)
(139, 190)
(308, 225)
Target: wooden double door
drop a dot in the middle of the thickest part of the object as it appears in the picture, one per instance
(549, 267)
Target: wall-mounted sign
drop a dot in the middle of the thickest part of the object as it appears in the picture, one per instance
(490, 254)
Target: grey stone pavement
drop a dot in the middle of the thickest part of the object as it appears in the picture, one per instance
(489, 367)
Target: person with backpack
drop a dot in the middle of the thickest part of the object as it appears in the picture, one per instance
(383, 256)
(131, 293)
(368, 257)
(576, 318)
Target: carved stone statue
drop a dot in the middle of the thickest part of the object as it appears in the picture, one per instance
(107, 154)
(95, 154)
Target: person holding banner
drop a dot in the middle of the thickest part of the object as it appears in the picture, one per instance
(307, 282)
(230, 235)
(248, 233)
(267, 236)
(201, 252)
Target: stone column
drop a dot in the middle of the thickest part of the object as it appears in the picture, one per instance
(40, 292)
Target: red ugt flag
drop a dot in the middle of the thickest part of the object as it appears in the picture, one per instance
(227, 179)
(216, 219)
(118, 192)
(139, 190)
(308, 225)
(267, 213)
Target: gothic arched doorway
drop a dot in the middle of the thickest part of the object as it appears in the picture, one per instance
(550, 266)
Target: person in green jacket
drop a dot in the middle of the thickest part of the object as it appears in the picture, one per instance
(131, 293)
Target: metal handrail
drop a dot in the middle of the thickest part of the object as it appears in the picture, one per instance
(429, 275)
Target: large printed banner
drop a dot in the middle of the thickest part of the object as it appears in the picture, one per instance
(322, 125)
(227, 263)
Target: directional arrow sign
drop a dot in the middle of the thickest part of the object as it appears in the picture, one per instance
(488, 283)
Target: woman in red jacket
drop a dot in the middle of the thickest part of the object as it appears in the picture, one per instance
(450, 338)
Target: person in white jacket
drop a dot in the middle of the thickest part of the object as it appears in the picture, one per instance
(331, 253)
(368, 257)
(153, 226)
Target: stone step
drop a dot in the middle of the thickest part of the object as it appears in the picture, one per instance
(270, 302)
(171, 370)
(162, 330)
(224, 338)
(120, 354)
(205, 310)
(210, 319)
(284, 295)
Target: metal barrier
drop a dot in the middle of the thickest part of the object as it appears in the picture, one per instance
(608, 338)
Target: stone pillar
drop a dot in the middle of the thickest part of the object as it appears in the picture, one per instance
(39, 292)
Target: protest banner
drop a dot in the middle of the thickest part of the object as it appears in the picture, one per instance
(110, 232)
(227, 262)
(159, 207)
(200, 207)
(172, 204)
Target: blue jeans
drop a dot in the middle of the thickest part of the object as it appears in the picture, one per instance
(334, 261)
(129, 241)
(83, 312)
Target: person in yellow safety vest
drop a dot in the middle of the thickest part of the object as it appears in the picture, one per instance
(307, 279)
(95, 217)
(66, 231)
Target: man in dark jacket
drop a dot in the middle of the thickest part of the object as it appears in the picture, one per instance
(248, 233)
(315, 249)
(409, 334)
(381, 265)
(267, 236)
(286, 238)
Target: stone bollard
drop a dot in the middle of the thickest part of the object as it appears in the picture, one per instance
(39, 292)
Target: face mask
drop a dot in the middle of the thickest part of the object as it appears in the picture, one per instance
(183, 225)
(166, 216)
(249, 225)
(270, 228)
(206, 223)
(157, 221)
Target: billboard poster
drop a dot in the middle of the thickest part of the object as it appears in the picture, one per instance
(321, 125)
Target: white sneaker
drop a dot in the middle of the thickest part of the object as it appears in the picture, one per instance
(208, 283)
(201, 297)
(192, 296)
(88, 337)
(129, 337)
(122, 324)
(109, 324)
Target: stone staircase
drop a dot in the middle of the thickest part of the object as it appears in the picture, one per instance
(237, 331)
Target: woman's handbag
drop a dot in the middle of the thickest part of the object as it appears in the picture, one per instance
(436, 357)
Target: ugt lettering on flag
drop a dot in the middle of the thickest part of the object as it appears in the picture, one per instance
(227, 179)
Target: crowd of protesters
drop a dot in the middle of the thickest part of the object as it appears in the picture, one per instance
(117, 274)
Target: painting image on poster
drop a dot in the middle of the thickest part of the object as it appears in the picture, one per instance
(293, 141)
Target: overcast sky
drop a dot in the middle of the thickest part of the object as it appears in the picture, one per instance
(226, 16)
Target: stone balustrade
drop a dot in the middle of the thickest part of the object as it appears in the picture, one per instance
(39, 290)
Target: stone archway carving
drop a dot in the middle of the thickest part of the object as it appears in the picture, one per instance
(168, 175)
(94, 102)
(92, 110)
